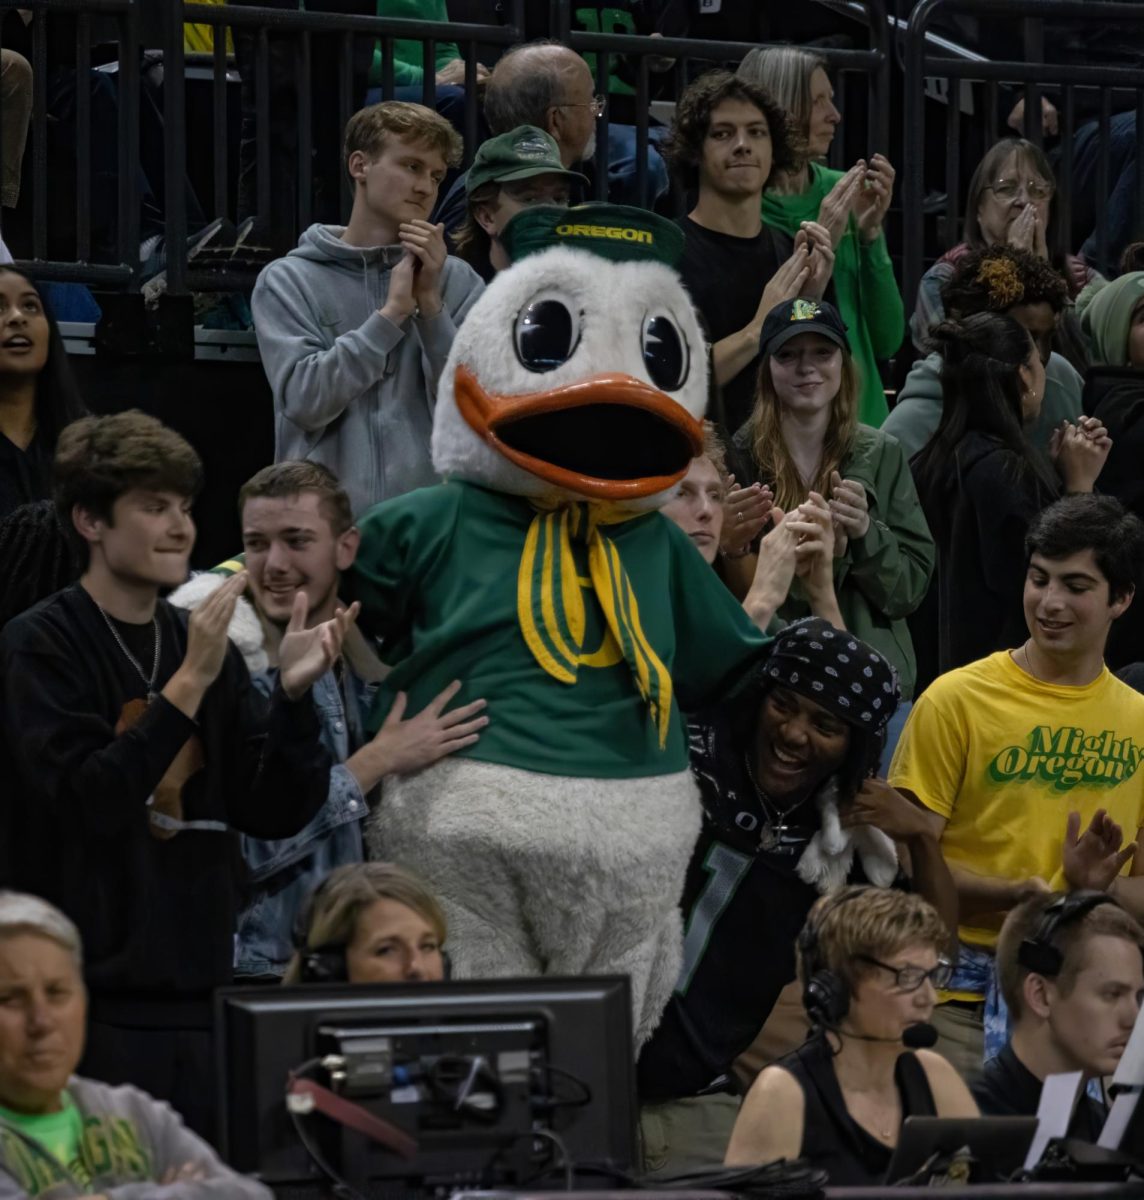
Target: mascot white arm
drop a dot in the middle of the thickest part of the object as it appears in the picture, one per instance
(540, 575)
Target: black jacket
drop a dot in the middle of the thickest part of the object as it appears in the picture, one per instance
(151, 885)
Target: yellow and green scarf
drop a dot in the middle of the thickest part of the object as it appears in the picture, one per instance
(550, 604)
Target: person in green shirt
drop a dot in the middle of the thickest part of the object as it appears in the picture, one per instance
(851, 204)
(804, 438)
(409, 54)
(63, 1137)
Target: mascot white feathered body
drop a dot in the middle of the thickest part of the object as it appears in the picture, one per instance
(541, 577)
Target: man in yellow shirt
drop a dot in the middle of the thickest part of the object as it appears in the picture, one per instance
(1015, 754)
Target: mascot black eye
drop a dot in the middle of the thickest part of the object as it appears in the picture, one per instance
(547, 333)
(665, 353)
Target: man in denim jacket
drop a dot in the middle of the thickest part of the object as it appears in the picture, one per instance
(298, 535)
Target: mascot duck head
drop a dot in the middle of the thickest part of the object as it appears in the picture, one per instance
(580, 374)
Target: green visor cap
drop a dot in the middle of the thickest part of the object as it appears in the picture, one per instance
(519, 154)
(612, 231)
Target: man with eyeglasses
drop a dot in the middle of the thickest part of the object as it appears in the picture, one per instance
(1072, 975)
(791, 811)
(551, 87)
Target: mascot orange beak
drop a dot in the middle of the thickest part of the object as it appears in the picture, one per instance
(607, 437)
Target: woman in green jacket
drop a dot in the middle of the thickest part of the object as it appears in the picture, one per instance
(851, 204)
(804, 436)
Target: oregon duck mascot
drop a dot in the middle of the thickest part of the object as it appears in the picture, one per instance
(541, 576)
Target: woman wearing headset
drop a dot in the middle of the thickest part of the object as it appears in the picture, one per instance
(869, 961)
(369, 922)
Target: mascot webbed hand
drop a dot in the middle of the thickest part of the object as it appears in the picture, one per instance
(541, 574)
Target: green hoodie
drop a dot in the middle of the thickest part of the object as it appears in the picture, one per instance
(408, 54)
(882, 576)
(914, 418)
(1107, 318)
(865, 291)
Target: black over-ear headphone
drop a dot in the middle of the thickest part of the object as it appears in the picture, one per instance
(327, 964)
(319, 964)
(1038, 952)
(825, 994)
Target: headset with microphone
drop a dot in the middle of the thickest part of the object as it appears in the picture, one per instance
(826, 995)
(1039, 952)
(327, 963)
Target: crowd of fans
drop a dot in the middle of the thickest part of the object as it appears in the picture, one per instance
(190, 761)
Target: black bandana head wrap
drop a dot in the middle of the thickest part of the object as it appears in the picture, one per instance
(835, 669)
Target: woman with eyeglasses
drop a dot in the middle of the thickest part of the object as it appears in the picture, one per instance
(1009, 203)
(870, 964)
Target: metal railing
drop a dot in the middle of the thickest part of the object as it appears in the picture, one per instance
(1032, 76)
(158, 25)
(123, 272)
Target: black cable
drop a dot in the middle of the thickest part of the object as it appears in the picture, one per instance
(782, 1180)
(563, 1102)
(342, 1189)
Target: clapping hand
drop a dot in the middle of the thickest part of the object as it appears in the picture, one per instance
(850, 509)
(1092, 860)
(816, 240)
(745, 512)
(1080, 452)
(305, 655)
(873, 199)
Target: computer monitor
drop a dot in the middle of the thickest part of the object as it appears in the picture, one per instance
(479, 1074)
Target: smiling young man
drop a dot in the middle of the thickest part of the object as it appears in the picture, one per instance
(791, 811)
(1072, 975)
(1013, 755)
(728, 139)
(298, 536)
(136, 746)
(354, 325)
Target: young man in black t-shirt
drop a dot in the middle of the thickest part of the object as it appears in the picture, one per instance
(728, 138)
(790, 811)
(138, 746)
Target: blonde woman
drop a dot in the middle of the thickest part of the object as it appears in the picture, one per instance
(851, 204)
(370, 922)
(804, 441)
(870, 963)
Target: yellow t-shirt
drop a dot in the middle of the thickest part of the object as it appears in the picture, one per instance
(199, 39)
(1005, 758)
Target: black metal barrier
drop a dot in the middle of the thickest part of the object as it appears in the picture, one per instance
(1032, 76)
(121, 266)
(156, 98)
(998, 1191)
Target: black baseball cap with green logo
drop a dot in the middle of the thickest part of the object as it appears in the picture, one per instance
(612, 231)
(521, 153)
(792, 317)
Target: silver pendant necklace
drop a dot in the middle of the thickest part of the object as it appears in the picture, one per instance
(774, 824)
(149, 682)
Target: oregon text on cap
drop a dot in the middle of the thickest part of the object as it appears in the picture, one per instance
(617, 232)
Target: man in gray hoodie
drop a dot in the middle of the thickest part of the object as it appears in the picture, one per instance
(63, 1136)
(355, 324)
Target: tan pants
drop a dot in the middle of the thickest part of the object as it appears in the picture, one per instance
(683, 1134)
(785, 1030)
(961, 1038)
(15, 112)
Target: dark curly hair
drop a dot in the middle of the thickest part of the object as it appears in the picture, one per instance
(997, 278)
(683, 148)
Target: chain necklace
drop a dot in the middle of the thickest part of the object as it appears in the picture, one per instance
(772, 833)
(149, 682)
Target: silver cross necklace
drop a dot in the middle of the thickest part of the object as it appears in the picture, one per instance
(149, 682)
(772, 833)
